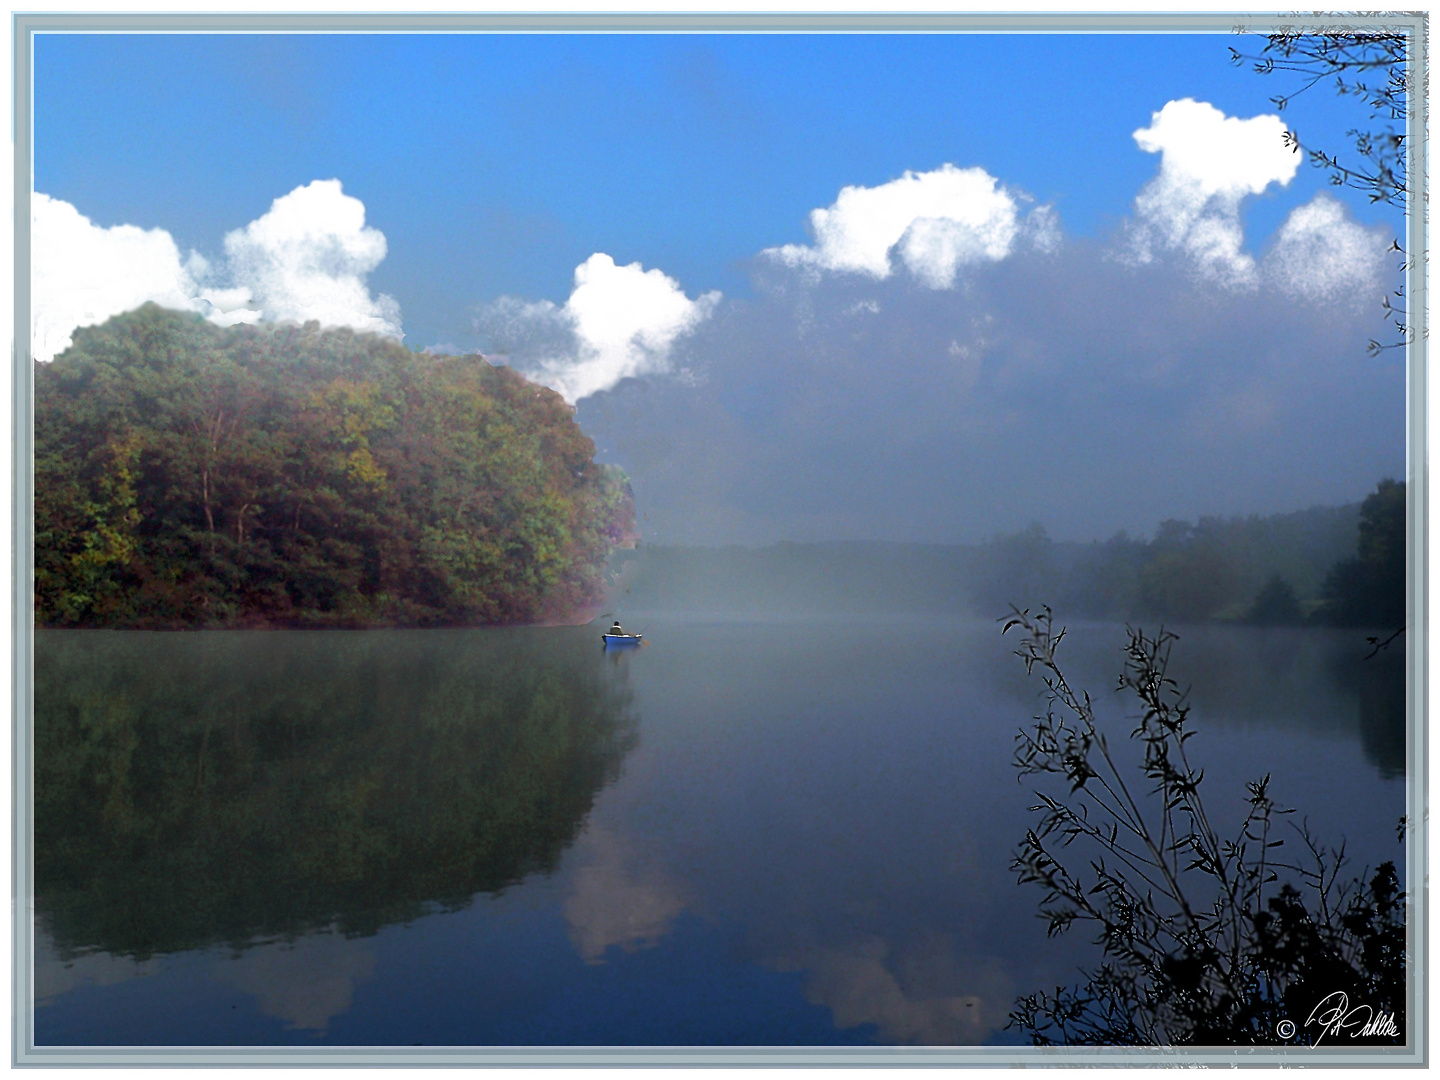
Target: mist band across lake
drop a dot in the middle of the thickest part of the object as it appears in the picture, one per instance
(756, 830)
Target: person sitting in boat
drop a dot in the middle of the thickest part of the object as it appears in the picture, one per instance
(615, 630)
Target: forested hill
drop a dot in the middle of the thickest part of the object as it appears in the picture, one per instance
(280, 475)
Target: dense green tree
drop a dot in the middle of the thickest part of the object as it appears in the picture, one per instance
(188, 475)
(1275, 605)
(1369, 590)
(1189, 576)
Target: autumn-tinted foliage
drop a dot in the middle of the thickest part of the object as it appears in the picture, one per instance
(187, 475)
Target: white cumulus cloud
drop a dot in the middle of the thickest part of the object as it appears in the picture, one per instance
(82, 274)
(1209, 162)
(623, 321)
(1319, 253)
(307, 258)
(933, 222)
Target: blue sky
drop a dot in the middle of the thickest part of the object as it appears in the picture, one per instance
(495, 166)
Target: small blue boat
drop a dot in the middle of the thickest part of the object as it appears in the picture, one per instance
(620, 639)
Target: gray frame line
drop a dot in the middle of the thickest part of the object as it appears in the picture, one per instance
(685, 23)
(1417, 492)
(22, 537)
(26, 25)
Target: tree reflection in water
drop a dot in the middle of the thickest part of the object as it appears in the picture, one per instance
(1378, 682)
(198, 788)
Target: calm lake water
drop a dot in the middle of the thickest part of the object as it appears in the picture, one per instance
(744, 833)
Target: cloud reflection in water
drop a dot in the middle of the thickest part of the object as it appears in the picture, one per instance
(305, 983)
(618, 900)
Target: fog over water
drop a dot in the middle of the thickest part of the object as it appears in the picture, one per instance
(756, 830)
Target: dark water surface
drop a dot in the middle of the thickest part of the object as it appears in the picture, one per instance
(744, 833)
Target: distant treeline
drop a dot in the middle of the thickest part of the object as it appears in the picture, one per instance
(193, 476)
(1340, 565)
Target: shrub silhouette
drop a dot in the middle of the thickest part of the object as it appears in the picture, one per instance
(1203, 943)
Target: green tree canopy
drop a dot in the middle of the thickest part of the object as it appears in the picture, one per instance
(1276, 604)
(1369, 590)
(281, 475)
